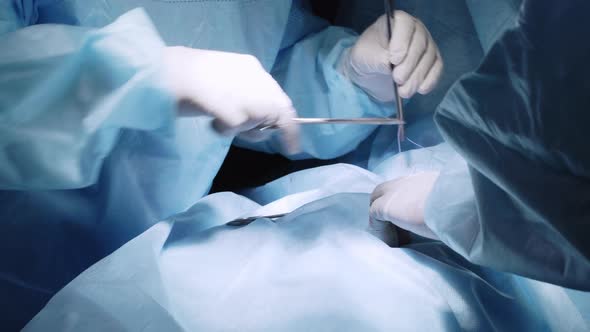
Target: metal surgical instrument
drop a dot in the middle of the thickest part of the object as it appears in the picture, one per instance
(390, 12)
(248, 220)
(362, 121)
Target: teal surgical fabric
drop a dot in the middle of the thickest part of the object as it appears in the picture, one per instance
(91, 154)
(521, 202)
(316, 269)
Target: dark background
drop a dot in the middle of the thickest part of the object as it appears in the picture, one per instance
(243, 168)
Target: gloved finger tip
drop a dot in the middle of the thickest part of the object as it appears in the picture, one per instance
(292, 147)
(398, 77)
(425, 89)
(373, 198)
(398, 13)
(376, 194)
(396, 56)
(290, 139)
(288, 114)
(375, 213)
(405, 92)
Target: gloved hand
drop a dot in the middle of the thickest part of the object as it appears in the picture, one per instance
(417, 60)
(402, 201)
(232, 88)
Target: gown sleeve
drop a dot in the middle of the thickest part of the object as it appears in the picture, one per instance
(67, 91)
(520, 202)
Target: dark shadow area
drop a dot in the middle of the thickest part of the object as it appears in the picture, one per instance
(244, 168)
(326, 8)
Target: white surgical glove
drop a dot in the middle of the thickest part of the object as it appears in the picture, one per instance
(232, 88)
(417, 60)
(402, 202)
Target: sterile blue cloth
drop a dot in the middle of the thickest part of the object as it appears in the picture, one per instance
(91, 154)
(492, 18)
(316, 269)
(521, 203)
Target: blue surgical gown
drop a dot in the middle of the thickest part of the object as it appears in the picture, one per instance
(91, 153)
(521, 201)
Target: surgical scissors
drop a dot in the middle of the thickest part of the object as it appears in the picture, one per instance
(362, 121)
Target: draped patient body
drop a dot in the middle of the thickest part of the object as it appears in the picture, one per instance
(315, 268)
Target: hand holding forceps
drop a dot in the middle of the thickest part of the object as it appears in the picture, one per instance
(399, 121)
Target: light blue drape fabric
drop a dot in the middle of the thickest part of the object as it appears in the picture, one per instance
(315, 269)
(91, 153)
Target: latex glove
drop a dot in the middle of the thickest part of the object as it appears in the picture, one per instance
(417, 60)
(232, 88)
(402, 202)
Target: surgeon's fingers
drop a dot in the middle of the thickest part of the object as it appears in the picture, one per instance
(403, 198)
(226, 122)
(416, 50)
(381, 198)
(401, 36)
(381, 190)
(384, 208)
(290, 132)
(256, 135)
(265, 105)
(257, 118)
(282, 120)
(388, 209)
(433, 75)
(229, 124)
(186, 108)
(409, 88)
